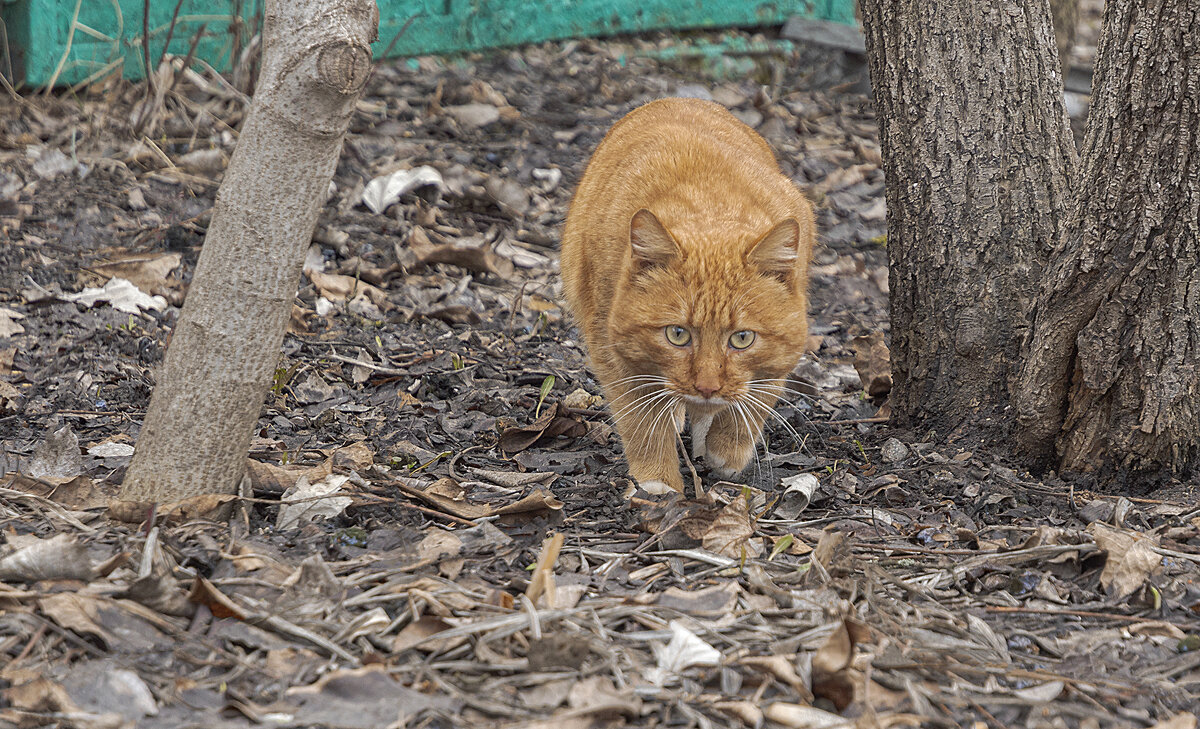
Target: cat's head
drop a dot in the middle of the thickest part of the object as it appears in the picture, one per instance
(721, 319)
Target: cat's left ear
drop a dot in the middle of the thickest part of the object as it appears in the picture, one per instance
(776, 252)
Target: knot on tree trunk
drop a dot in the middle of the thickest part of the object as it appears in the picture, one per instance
(344, 66)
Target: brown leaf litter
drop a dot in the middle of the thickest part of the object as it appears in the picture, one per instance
(437, 530)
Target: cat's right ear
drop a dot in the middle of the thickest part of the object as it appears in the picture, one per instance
(775, 253)
(651, 243)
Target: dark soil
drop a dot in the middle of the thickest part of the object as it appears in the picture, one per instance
(967, 590)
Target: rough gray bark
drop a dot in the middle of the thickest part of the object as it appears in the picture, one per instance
(1111, 368)
(226, 345)
(978, 159)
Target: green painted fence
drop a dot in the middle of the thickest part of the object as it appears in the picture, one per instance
(71, 41)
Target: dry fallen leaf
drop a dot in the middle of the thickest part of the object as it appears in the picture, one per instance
(420, 633)
(831, 667)
(8, 326)
(272, 479)
(797, 495)
(10, 398)
(730, 532)
(745, 711)
(149, 272)
(57, 459)
(385, 190)
(122, 295)
(206, 593)
(359, 698)
(1131, 559)
(874, 363)
(122, 626)
(709, 602)
(474, 254)
(33, 693)
(515, 480)
(597, 695)
(30, 559)
(552, 423)
(805, 717)
(782, 668)
(685, 649)
(829, 549)
(6, 355)
(356, 456)
(438, 543)
(336, 287)
(214, 507)
(309, 501)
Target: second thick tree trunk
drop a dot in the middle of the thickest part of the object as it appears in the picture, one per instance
(1112, 361)
(977, 156)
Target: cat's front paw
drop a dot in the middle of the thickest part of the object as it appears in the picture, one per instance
(730, 465)
(728, 450)
(658, 488)
(656, 481)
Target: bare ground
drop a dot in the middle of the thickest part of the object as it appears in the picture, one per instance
(434, 427)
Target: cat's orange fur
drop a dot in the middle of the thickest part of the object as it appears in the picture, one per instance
(683, 219)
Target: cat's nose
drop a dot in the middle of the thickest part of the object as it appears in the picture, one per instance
(705, 390)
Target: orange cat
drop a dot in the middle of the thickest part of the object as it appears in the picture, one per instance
(685, 262)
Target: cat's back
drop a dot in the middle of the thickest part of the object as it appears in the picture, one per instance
(680, 123)
(668, 140)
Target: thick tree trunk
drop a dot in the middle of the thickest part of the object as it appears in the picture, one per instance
(978, 158)
(225, 347)
(1112, 359)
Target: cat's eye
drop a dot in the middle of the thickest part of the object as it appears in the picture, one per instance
(742, 339)
(677, 335)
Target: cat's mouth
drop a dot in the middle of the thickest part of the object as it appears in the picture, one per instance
(707, 402)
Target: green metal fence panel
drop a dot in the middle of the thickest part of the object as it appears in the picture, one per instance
(70, 41)
(447, 26)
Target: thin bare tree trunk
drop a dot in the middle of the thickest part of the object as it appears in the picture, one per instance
(225, 347)
(978, 159)
(1111, 368)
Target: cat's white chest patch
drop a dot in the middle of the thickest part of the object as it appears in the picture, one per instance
(700, 426)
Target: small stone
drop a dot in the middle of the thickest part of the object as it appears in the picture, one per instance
(694, 91)
(893, 451)
(211, 160)
(728, 96)
(57, 457)
(474, 116)
(137, 200)
(508, 195)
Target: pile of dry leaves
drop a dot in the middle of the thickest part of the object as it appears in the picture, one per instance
(437, 530)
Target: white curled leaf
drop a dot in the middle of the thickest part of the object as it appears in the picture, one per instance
(385, 190)
(307, 502)
(685, 649)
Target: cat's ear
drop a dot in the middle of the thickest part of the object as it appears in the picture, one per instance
(651, 243)
(775, 253)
